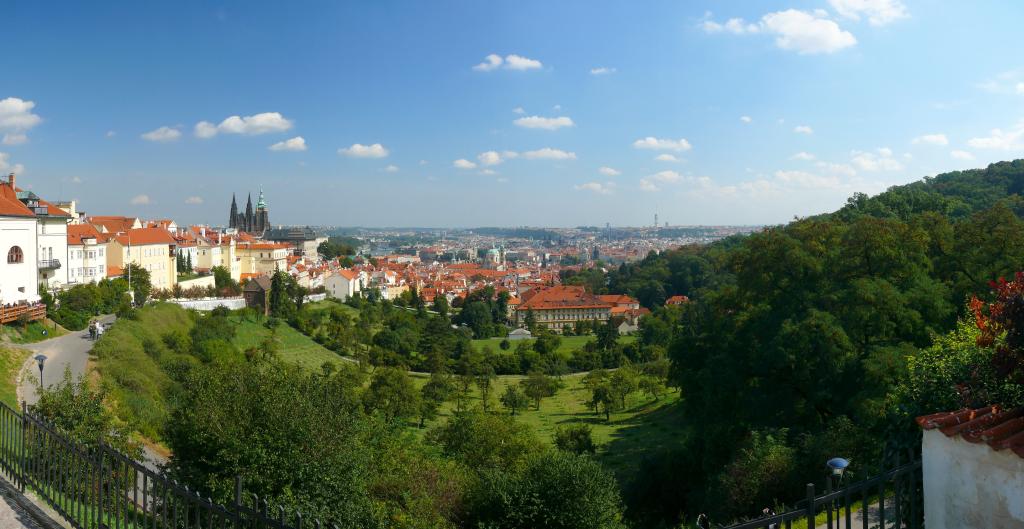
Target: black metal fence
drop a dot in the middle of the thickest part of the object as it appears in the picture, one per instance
(891, 499)
(97, 487)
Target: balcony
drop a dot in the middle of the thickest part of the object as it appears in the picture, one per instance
(49, 264)
(11, 313)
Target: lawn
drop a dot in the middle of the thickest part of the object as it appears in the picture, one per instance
(293, 346)
(569, 344)
(35, 331)
(645, 425)
(330, 303)
(11, 360)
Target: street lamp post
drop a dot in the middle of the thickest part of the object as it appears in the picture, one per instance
(40, 360)
(837, 466)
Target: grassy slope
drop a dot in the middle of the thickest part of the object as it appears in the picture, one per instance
(11, 360)
(643, 427)
(569, 344)
(126, 363)
(293, 346)
(33, 332)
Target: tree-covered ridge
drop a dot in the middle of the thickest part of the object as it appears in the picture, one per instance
(796, 336)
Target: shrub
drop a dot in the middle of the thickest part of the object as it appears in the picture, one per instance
(575, 438)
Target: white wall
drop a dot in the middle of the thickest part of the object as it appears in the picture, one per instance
(204, 281)
(970, 485)
(53, 239)
(16, 231)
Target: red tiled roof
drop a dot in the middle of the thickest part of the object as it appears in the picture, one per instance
(10, 206)
(77, 232)
(551, 298)
(999, 428)
(144, 236)
(677, 300)
(113, 224)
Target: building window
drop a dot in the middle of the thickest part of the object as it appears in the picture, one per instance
(15, 255)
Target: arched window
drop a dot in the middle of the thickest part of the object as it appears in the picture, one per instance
(15, 255)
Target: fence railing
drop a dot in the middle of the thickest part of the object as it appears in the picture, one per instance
(891, 499)
(96, 487)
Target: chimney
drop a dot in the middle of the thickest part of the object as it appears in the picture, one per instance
(202, 231)
(10, 179)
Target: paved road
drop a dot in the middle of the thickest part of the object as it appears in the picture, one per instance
(70, 350)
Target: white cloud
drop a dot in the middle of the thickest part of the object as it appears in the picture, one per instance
(1011, 140)
(204, 130)
(5, 164)
(193, 200)
(424, 162)
(803, 32)
(538, 122)
(660, 144)
(961, 155)
(262, 123)
(931, 139)
(803, 129)
(518, 110)
(880, 160)
(736, 26)
(501, 180)
(488, 172)
(140, 200)
(297, 143)
(547, 153)
(111, 134)
(647, 185)
(805, 156)
(76, 180)
(510, 62)
(667, 158)
(838, 169)
(463, 163)
(358, 150)
(670, 177)
(162, 134)
(806, 179)
(746, 119)
(517, 62)
(1020, 88)
(391, 169)
(491, 62)
(14, 138)
(878, 12)
(609, 171)
(602, 70)
(16, 118)
(490, 158)
(597, 187)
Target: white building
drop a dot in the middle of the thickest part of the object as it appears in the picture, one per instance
(51, 240)
(343, 284)
(87, 258)
(18, 242)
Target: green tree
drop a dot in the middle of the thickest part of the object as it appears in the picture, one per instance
(441, 304)
(575, 438)
(514, 399)
(555, 490)
(538, 386)
(392, 393)
(433, 394)
(139, 282)
(603, 399)
(282, 303)
(485, 441)
(607, 335)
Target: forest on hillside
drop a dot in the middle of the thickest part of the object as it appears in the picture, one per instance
(799, 341)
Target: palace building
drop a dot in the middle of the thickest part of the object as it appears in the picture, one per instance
(255, 222)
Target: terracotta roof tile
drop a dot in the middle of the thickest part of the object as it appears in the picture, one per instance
(1000, 429)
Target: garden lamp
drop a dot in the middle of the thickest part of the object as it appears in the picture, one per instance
(837, 465)
(40, 359)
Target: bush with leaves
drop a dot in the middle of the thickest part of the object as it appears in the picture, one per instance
(554, 490)
(575, 438)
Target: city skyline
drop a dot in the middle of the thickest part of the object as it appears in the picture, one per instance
(712, 113)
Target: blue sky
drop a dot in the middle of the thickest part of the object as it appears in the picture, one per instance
(469, 113)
